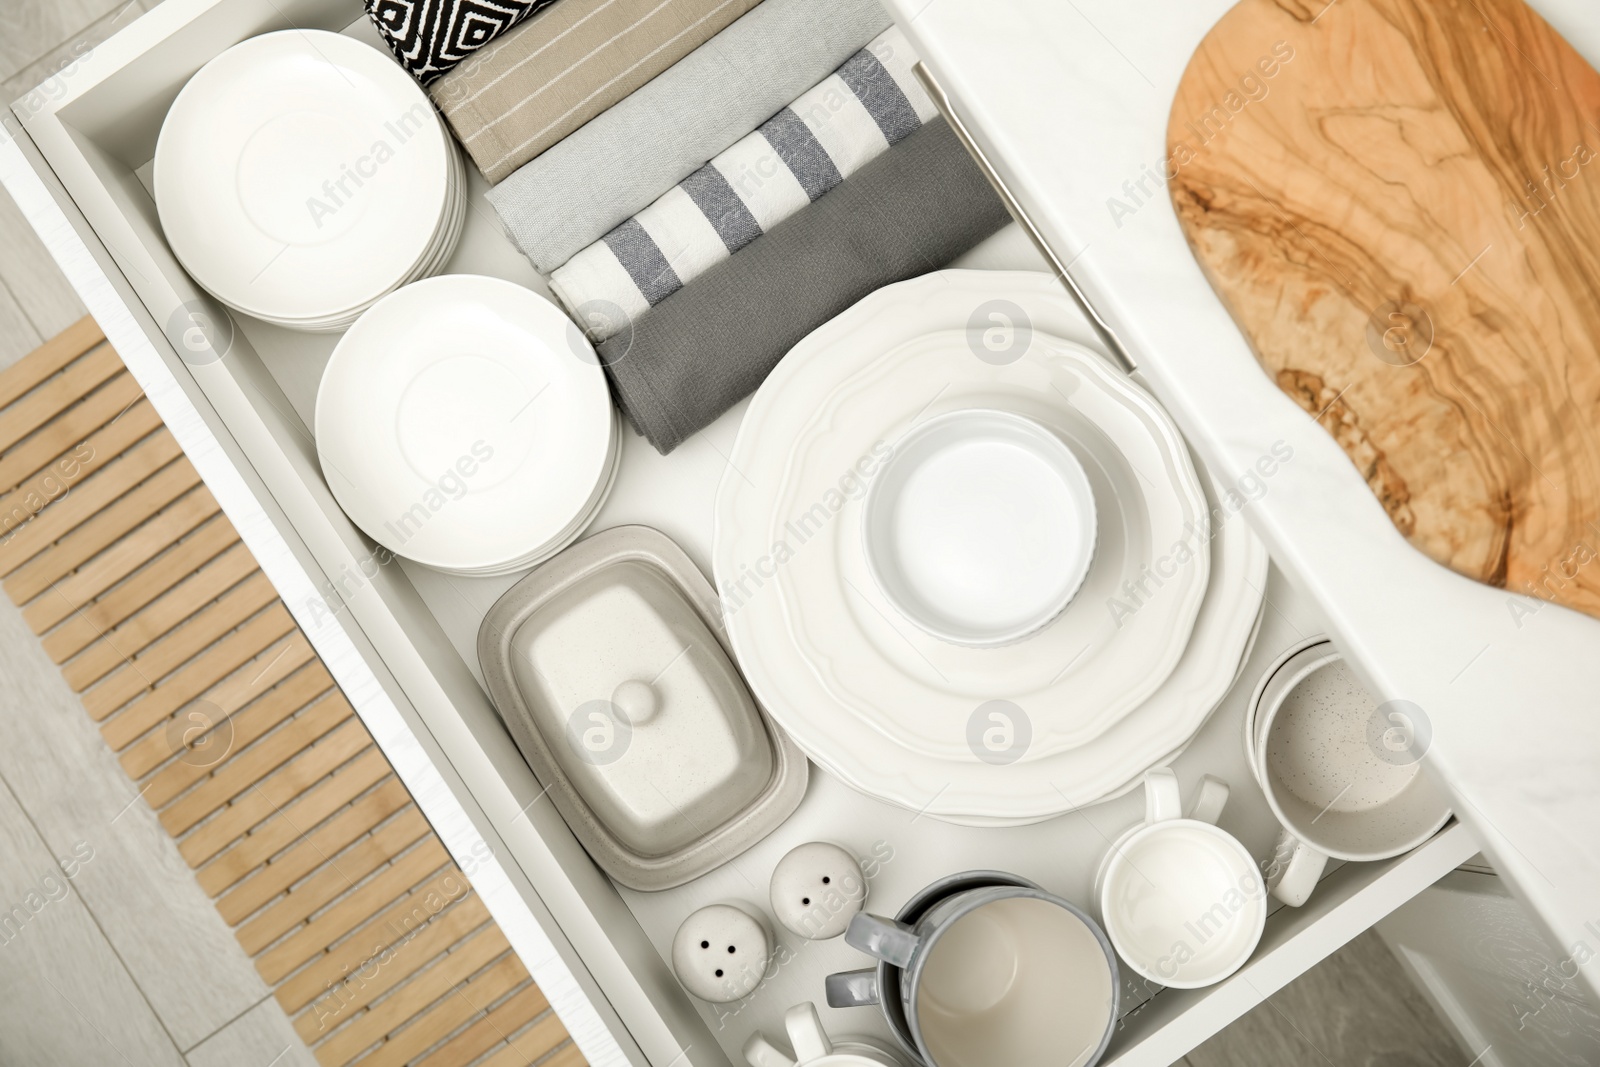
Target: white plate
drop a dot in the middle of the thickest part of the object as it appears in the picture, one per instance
(966, 790)
(300, 175)
(573, 532)
(980, 528)
(1219, 566)
(451, 226)
(452, 222)
(458, 427)
(1102, 656)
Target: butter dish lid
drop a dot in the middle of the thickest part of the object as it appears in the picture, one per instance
(611, 670)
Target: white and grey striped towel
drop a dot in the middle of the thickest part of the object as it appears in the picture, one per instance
(829, 132)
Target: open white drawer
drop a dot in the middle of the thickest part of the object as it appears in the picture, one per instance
(400, 639)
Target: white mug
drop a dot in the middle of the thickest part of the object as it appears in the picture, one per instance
(812, 1046)
(1309, 740)
(1181, 899)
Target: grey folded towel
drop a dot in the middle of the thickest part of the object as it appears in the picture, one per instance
(698, 352)
(623, 159)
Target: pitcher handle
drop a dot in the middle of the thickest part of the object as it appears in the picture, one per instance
(852, 989)
(1213, 797)
(1162, 798)
(888, 940)
(1296, 867)
(810, 1041)
(759, 1052)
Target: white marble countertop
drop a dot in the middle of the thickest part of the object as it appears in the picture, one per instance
(1070, 98)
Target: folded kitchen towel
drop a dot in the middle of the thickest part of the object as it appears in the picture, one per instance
(429, 37)
(828, 133)
(696, 354)
(531, 87)
(624, 159)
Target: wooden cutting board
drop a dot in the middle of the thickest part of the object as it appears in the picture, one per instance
(1399, 201)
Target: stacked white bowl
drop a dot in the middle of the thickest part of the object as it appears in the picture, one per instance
(301, 176)
(463, 422)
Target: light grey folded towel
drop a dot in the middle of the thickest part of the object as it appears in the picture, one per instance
(626, 157)
(697, 353)
(830, 131)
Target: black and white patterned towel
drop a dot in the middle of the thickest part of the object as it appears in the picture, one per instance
(431, 36)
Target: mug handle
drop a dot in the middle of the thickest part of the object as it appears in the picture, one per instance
(1295, 870)
(806, 1035)
(1162, 798)
(852, 989)
(1213, 797)
(888, 940)
(759, 1052)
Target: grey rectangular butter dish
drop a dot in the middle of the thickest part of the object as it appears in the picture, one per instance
(610, 668)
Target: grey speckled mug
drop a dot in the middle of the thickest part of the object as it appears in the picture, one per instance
(1309, 738)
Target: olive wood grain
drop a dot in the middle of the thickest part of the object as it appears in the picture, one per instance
(1399, 201)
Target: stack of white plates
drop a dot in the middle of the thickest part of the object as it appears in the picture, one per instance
(1072, 713)
(463, 423)
(300, 176)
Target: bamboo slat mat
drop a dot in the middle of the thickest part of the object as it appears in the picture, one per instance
(295, 824)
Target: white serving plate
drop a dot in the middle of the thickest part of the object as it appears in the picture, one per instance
(827, 410)
(964, 788)
(398, 637)
(1104, 655)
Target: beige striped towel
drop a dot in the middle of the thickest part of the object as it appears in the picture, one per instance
(514, 98)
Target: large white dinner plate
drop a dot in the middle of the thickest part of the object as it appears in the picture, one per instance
(301, 174)
(1112, 646)
(961, 789)
(459, 427)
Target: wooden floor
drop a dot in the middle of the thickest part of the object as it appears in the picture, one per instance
(130, 962)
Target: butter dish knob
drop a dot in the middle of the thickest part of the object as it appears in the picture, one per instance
(638, 700)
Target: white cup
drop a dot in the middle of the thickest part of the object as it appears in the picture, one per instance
(812, 1046)
(1310, 741)
(1181, 899)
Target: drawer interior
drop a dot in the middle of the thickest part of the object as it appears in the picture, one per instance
(422, 624)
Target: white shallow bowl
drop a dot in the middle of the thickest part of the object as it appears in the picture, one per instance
(980, 528)
(463, 424)
(301, 175)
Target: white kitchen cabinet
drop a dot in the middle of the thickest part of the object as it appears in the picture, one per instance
(399, 639)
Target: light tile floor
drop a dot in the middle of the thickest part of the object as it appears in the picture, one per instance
(92, 979)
